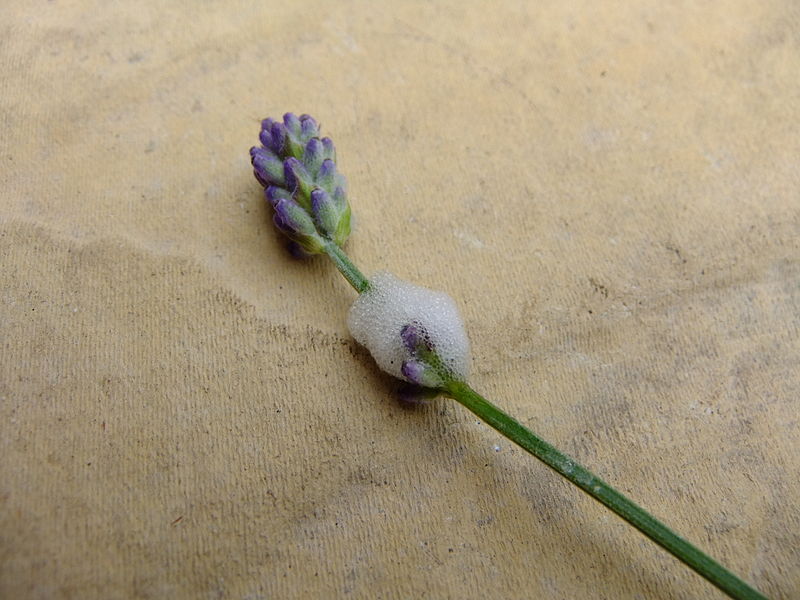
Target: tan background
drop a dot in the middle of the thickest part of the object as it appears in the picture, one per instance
(610, 192)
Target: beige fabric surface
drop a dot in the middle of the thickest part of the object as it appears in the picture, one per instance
(609, 190)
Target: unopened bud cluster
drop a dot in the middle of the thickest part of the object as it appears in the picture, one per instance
(297, 169)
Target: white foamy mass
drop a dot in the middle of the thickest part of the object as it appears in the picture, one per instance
(379, 314)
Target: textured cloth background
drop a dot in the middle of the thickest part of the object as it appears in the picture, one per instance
(611, 191)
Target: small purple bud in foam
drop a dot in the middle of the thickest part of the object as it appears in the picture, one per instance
(419, 373)
(415, 338)
(412, 332)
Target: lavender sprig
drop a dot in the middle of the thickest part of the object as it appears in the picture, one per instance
(298, 171)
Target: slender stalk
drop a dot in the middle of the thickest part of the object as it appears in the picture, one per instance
(346, 267)
(602, 492)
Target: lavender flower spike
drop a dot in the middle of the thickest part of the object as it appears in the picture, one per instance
(298, 172)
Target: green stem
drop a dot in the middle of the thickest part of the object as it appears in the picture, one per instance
(347, 268)
(602, 492)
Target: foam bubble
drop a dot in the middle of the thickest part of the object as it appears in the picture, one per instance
(378, 315)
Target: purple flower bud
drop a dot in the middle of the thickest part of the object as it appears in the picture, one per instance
(329, 178)
(278, 137)
(309, 127)
(330, 150)
(266, 139)
(331, 216)
(292, 123)
(266, 166)
(280, 223)
(266, 133)
(420, 374)
(340, 198)
(416, 339)
(313, 155)
(324, 210)
(293, 218)
(326, 177)
(298, 181)
(298, 225)
(275, 193)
